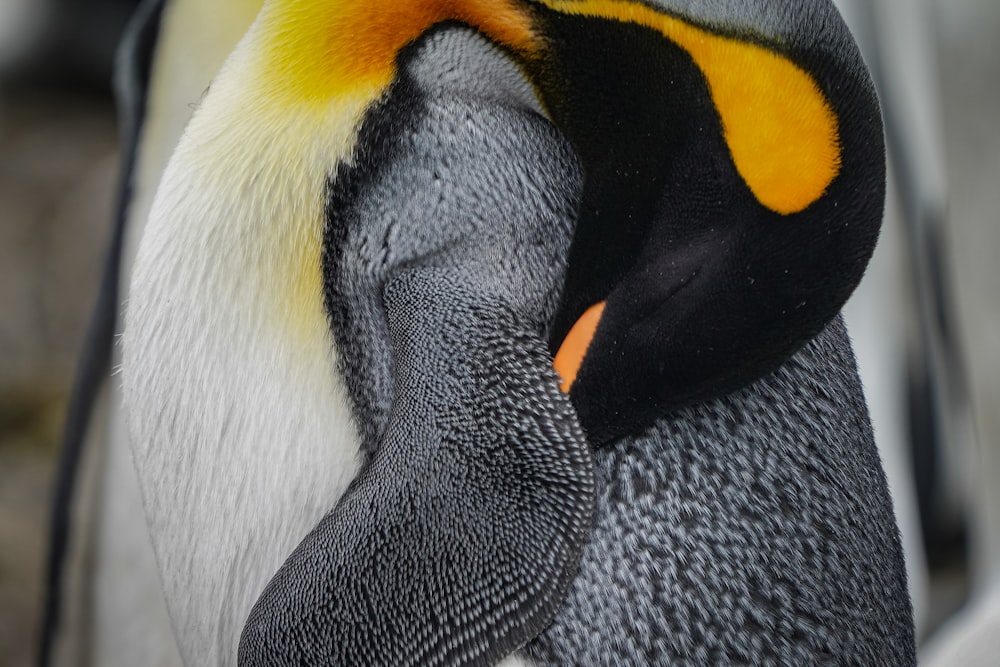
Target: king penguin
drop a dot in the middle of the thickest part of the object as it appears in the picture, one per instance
(478, 331)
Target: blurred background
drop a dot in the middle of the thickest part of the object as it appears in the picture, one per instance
(926, 321)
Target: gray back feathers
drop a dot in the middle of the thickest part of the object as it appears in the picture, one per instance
(755, 529)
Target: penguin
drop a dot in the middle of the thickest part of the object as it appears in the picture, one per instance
(506, 330)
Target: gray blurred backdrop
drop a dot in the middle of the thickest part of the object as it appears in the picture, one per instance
(58, 169)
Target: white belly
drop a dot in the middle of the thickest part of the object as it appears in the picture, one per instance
(242, 434)
(242, 443)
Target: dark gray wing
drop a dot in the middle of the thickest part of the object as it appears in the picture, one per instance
(458, 541)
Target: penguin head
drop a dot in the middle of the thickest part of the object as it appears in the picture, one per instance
(734, 177)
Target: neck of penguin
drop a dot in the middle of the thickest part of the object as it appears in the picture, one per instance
(318, 50)
(291, 99)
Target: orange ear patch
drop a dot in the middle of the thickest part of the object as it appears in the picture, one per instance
(574, 346)
(781, 131)
(328, 49)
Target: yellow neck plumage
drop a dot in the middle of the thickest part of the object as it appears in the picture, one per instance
(781, 130)
(323, 50)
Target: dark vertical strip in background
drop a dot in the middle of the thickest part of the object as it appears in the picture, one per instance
(132, 72)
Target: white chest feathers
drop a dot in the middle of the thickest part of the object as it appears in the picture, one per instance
(241, 427)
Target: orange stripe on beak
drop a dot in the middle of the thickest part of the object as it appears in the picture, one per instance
(574, 346)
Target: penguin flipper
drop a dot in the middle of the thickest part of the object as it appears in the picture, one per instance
(458, 541)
